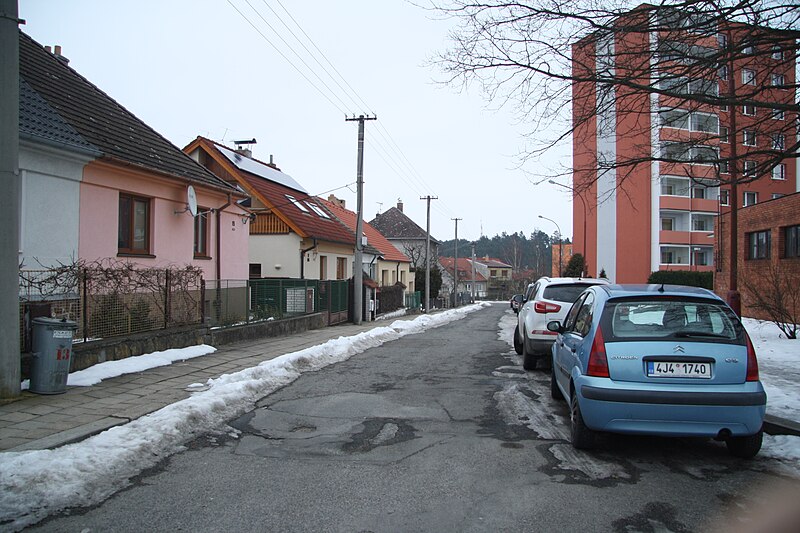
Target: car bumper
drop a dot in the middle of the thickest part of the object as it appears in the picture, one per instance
(541, 345)
(674, 411)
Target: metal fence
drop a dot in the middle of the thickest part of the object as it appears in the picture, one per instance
(413, 300)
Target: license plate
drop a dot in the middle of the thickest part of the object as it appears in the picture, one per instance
(664, 369)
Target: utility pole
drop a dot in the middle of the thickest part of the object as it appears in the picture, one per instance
(455, 266)
(358, 268)
(9, 200)
(427, 252)
(473, 273)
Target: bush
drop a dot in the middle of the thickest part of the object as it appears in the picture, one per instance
(683, 277)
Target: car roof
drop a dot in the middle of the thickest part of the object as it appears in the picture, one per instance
(549, 280)
(658, 290)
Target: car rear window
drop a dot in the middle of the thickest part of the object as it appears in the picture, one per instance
(564, 293)
(671, 319)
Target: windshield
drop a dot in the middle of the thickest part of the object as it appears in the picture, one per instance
(564, 293)
(672, 319)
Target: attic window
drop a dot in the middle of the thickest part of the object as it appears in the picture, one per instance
(300, 206)
(314, 207)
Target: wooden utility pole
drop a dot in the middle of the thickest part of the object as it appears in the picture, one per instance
(427, 252)
(455, 267)
(358, 267)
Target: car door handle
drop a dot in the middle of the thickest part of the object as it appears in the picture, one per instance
(574, 349)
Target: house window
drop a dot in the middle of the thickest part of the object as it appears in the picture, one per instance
(749, 138)
(134, 225)
(724, 136)
(201, 233)
(791, 241)
(777, 141)
(255, 270)
(504, 274)
(323, 267)
(749, 110)
(750, 198)
(779, 172)
(777, 53)
(493, 273)
(724, 197)
(341, 267)
(778, 114)
(758, 244)
(777, 80)
(749, 168)
(748, 76)
(749, 50)
(667, 224)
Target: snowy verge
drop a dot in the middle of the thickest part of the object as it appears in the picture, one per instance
(34, 484)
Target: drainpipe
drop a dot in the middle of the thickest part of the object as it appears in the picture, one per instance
(218, 212)
(303, 256)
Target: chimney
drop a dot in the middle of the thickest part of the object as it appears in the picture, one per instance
(243, 147)
(337, 201)
(247, 152)
(400, 204)
(57, 53)
(272, 164)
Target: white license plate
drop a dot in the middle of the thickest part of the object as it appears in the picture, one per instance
(664, 369)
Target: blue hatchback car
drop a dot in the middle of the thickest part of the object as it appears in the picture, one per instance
(658, 360)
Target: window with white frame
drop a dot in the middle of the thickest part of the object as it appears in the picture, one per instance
(707, 87)
(674, 118)
(724, 108)
(748, 76)
(667, 224)
(722, 40)
(778, 114)
(724, 134)
(778, 141)
(777, 52)
(699, 192)
(749, 168)
(749, 110)
(724, 167)
(777, 195)
(779, 172)
(705, 122)
(777, 80)
(723, 72)
(750, 198)
(749, 137)
(724, 197)
(749, 50)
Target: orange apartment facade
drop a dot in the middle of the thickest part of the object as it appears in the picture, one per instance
(661, 215)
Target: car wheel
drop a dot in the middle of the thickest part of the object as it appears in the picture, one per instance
(745, 447)
(517, 341)
(581, 436)
(528, 359)
(555, 392)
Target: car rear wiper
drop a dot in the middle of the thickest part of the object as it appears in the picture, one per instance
(697, 333)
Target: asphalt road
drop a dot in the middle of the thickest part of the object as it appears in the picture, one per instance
(440, 431)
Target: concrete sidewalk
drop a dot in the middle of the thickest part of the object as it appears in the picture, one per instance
(36, 422)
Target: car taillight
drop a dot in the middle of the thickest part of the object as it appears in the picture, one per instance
(598, 363)
(544, 307)
(752, 362)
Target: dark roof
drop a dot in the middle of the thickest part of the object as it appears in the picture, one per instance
(59, 105)
(394, 224)
(464, 268)
(307, 223)
(492, 262)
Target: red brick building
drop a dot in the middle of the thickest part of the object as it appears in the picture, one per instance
(769, 254)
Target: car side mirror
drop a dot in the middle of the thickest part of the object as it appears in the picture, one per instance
(555, 326)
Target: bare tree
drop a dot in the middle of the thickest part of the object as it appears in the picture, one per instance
(775, 291)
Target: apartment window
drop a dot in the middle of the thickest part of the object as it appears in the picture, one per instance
(758, 244)
(748, 76)
(724, 197)
(699, 224)
(749, 168)
(675, 85)
(778, 141)
(777, 195)
(749, 50)
(779, 172)
(724, 108)
(722, 40)
(749, 138)
(323, 267)
(699, 192)
(707, 87)
(749, 110)
(777, 53)
(723, 73)
(667, 257)
(791, 241)
(134, 225)
(341, 267)
(724, 167)
(705, 122)
(201, 233)
(668, 224)
(700, 258)
(724, 134)
(704, 155)
(674, 118)
(777, 80)
(750, 198)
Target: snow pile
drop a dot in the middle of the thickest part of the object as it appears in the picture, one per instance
(36, 483)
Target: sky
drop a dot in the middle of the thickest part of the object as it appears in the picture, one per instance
(199, 67)
(34, 484)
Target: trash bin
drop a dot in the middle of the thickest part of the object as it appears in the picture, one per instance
(52, 352)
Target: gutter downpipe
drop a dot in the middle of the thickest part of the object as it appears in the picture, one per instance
(303, 256)
(218, 293)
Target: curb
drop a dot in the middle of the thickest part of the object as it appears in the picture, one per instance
(775, 425)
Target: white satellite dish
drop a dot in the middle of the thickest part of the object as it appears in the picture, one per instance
(191, 200)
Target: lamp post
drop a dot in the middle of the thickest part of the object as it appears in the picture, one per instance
(560, 243)
(580, 196)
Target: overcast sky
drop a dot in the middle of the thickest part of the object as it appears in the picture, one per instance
(198, 67)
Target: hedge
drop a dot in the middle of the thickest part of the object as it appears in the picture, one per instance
(683, 277)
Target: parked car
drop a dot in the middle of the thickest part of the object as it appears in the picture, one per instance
(545, 300)
(516, 302)
(658, 360)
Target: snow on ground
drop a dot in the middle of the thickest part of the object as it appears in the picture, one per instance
(36, 483)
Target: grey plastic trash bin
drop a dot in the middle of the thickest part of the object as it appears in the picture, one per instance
(52, 352)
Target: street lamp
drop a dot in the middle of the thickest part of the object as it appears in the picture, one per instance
(580, 196)
(560, 243)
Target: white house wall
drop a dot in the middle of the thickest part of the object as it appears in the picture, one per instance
(278, 255)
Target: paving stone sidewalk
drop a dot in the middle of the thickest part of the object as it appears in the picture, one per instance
(37, 422)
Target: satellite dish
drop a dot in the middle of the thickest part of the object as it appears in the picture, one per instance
(191, 200)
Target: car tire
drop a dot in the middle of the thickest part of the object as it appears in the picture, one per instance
(517, 341)
(529, 360)
(581, 437)
(555, 392)
(745, 447)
